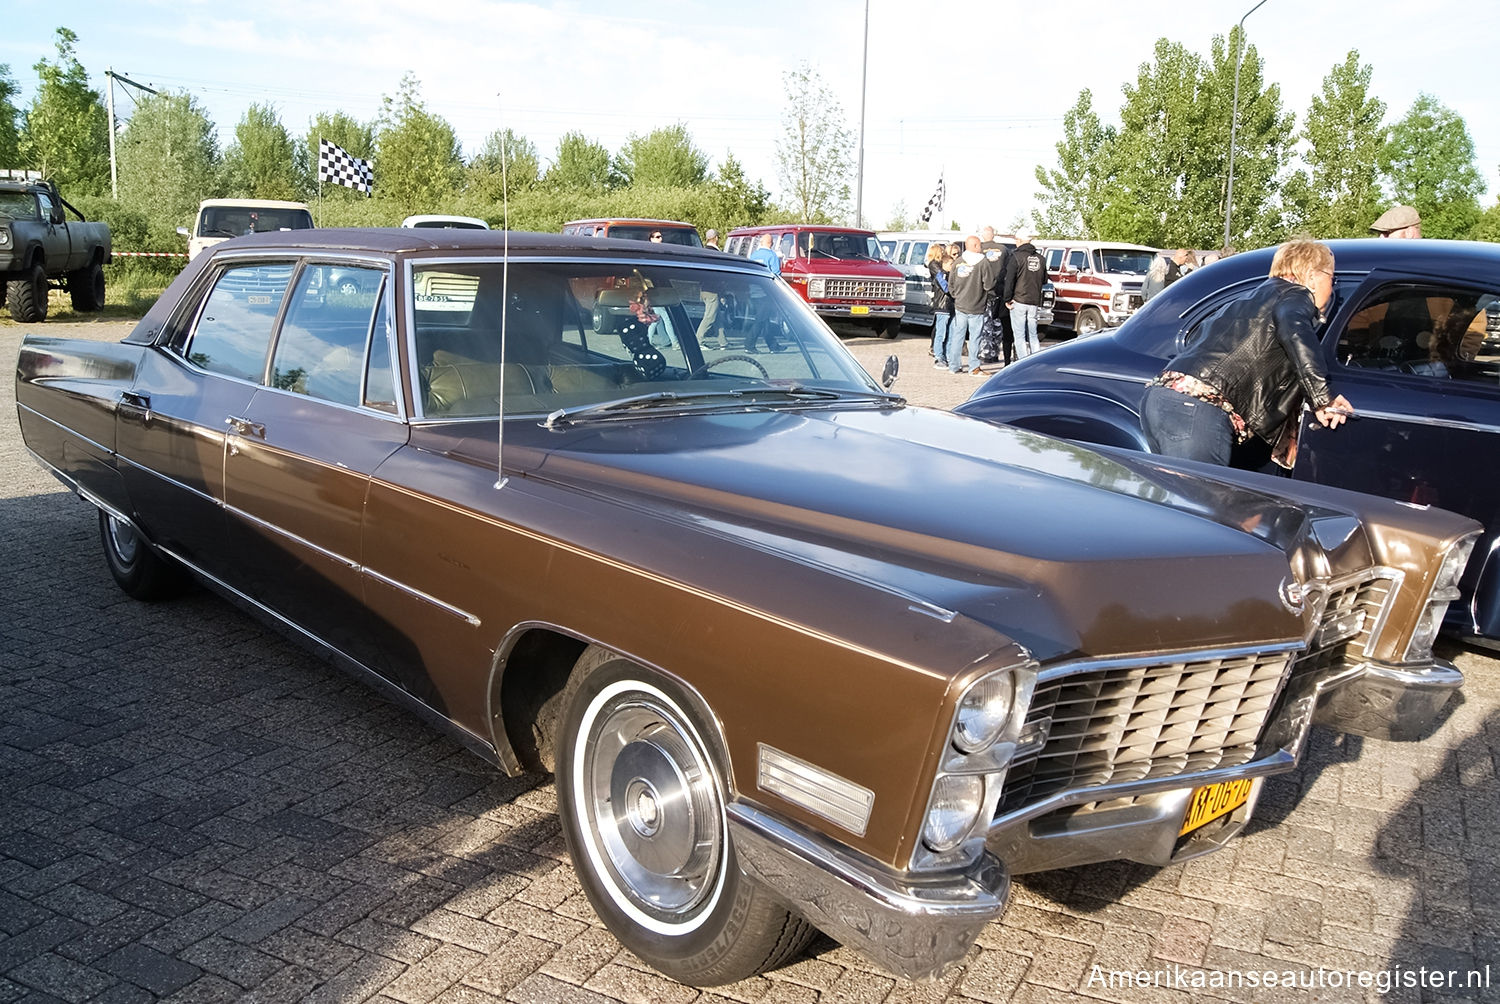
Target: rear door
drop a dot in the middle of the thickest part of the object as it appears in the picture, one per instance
(172, 424)
(1418, 357)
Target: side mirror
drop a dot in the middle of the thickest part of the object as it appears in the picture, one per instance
(57, 215)
(183, 231)
(888, 375)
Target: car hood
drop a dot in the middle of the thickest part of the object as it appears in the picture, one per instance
(1063, 549)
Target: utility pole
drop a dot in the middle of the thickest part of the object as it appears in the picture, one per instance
(1234, 120)
(111, 76)
(859, 176)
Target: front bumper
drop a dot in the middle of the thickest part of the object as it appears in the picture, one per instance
(858, 312)
(914, 929)
(1389, 702)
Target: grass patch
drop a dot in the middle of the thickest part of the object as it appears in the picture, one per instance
(127, 297)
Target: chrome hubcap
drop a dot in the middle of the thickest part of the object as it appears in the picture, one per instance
(654, 817)
(122, 539)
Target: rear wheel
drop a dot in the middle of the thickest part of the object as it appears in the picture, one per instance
(640, 791)
(890, 327)
(27, 297)
(137, 569)
(1089, 321)
(86, 286)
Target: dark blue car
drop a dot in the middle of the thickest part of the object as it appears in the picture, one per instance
(1412, 340)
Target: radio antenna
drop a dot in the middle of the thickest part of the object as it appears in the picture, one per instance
(500, 477)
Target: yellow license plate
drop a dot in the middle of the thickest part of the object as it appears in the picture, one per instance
(1214, 800)
(859, 310)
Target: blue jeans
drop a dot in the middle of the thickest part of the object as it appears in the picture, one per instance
(964, 326)
(1179, 425)
(942, 329)
(1023, 320)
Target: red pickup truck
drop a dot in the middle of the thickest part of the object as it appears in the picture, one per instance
(838, 270)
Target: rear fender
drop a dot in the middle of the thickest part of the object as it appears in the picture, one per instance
(1080, 417)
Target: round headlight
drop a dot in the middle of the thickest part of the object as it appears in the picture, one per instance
(4, 237)
(983, 713)
(956, 801)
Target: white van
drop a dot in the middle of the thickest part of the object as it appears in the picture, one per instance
(220, 219)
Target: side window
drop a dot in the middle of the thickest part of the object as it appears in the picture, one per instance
(1427, 330)
(784, 246)
(888, 248)
(234, 327)
(1054, 259)
(321, 349)
(916, 252)
(44, 203)
(1078, 260)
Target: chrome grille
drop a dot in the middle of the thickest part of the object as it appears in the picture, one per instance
(1135, 723)
(1369, 598)
(863, 289)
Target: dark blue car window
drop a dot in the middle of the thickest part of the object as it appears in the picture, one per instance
(1439, 331)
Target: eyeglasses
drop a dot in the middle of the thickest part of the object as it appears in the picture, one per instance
(656, 237)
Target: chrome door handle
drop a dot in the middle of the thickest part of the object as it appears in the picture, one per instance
(245, 427)
(137, 399)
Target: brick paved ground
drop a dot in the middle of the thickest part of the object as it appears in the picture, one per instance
(193, 809)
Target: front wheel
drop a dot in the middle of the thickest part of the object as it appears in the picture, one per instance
(137, 569)
(890, 327)
(640, 790)
(1089, 321)
(27, 297)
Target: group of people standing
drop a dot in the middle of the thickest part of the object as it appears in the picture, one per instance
(988, 295)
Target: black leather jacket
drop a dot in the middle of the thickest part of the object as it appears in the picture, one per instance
(1261, 353)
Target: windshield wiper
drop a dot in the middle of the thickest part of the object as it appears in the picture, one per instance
(641, 402)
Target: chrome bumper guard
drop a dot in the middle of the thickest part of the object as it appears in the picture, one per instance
(1389, 702)
(913, 929)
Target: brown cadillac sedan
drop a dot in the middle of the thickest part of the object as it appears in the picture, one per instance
(800, 656)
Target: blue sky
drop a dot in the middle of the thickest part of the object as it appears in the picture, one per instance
(976, 91)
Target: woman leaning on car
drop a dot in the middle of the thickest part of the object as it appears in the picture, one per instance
(1248, 372)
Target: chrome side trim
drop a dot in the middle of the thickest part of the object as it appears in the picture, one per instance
(458, 612)
(1059, 670)
(334, 556)
(1101, 374)
(68, 429)
(914, 930)
(79, 490)
(1437, 423)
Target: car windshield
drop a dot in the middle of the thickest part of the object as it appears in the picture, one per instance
(236, 221)
(1124, 260)
(584, 334)
(856, 247)
(669, 235)
(18, 205)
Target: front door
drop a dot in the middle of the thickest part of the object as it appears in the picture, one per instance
(1419, 360)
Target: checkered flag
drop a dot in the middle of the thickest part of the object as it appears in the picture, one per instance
(934, 204)
(337, 165)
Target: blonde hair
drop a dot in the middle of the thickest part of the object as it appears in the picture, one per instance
(1298, 259)
(935, 251)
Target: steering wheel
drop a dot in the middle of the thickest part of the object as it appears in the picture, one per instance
(736, 358)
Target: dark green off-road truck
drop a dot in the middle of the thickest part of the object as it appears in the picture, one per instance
(40, 249)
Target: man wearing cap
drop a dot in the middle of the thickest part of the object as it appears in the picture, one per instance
(1398, 221)
(711, 238)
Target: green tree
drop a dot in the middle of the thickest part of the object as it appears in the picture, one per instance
(815, 154)
(168, 157)
(10, 132)
(523, 168)
(1429, 163)
(1169, 167)
(66, 135)
(346, 132)
(1339, 193)
(1072, 195)
(663, 158)
(580, 165)
(264, 162)
(734, 200)
(1263, 146)
(417, 161)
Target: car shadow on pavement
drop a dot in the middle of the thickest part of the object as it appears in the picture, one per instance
(196, 807)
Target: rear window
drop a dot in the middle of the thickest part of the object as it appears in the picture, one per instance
(669, 235)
